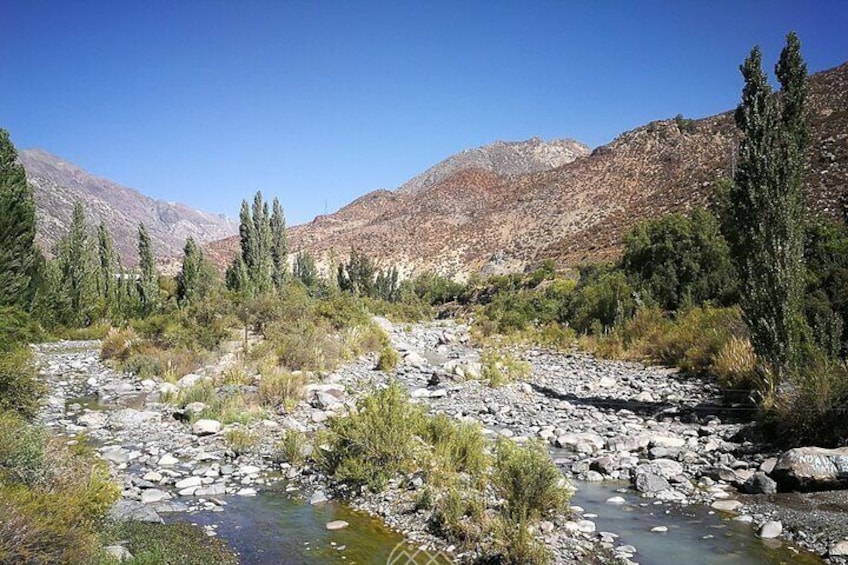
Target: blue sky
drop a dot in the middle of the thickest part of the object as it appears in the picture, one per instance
(317, 103)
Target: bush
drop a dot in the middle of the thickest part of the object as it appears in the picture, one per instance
(374, 443)
(20, 390)
(600, 301)
(460, 516)
(813, 408)
(518, 546)
(458, 447)
(529, 481)
(53, 497)
(16, 329)
(292, 447)
(735, 365)
(280, 388)
(388, 360)
(240, 441)
(118, 344)
(22, 457)
(500, 369)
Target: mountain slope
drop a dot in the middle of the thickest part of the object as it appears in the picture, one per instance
(478, 220)
(502, 158)
(58, 184)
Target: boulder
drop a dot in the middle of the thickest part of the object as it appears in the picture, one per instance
(337, 525)
(126, 510)
(648, 482)
(759, 483)
(726, 505)
(206, 427)
(771, 529)
(839, 549)
(118, 552)
(152, 495)
(812, 468)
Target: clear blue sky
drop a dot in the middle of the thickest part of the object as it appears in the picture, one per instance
(206, 102)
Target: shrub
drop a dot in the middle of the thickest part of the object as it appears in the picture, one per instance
(21, 451)
(458, 447)
(813, 408)
(279, 387)
(389, 359)
(529, 481)
(240, 441)
(16, 328)
(20, 390)
(52, 499)
(118, 344)
(735, 365)
(518, 546)
(374, 443)
(292, 447)
(500, 369)
(600, 301)
(460, 517)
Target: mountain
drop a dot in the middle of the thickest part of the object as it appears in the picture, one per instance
(478, 219)
(58, 184)
(501, 157)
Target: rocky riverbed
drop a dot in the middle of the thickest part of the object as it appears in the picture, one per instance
(669, 438)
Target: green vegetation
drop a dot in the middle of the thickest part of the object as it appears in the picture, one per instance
(166, 544)
(388, 437)
(388, 360)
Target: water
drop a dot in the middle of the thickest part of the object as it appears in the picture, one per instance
(695, 536)
(273, 528)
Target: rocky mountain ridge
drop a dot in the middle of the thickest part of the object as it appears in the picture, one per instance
(479, 220)
(58, 184)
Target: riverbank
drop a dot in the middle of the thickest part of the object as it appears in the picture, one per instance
(604, 421)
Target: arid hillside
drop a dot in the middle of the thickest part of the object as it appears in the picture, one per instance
(479, 220)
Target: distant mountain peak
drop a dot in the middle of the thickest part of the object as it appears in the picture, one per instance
(58, 183)
(503, 158)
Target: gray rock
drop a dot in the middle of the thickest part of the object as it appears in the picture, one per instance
(128, 418)
(647, 482)
(759, 483)
(812, 468)
(337, 525)
(771, 529)
(188, 483)
(131, 511)
(119, 552)
(318, 497)
(152, 495)
(839, 549)
(190, 380)
(92, 420)
(206, 427)
(726, 505)
(215, 489)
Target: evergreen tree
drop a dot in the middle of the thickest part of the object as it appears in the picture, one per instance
(148, 282)
(279, 245)
(108, 269)
(17, 229)
(262, 270)
(76, 283)
(189, 276)
(763, 220)
(304, 268)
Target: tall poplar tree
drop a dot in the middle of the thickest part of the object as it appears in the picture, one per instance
(148, 282)
(76, 287)
(108, 269)
(763, 219)
(279, 245)
(17, 228)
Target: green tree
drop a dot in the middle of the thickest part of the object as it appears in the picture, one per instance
(196, 278)
(17, 229)
(148, 282)
(76, 282)
(304, 268)
(763, 221)
(262, 271)
(279, 245)
(679, 260)
(108, 268)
